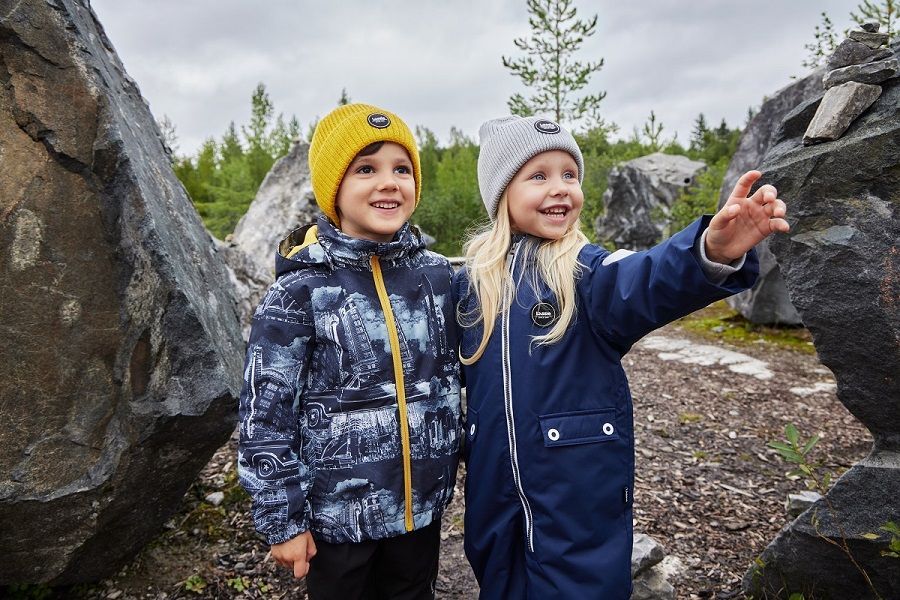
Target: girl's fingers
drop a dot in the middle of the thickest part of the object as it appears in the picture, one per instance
(765, 194)
(721, 219)
(743, 185)
(779, 225)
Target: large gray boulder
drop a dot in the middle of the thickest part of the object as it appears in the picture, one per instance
(283, 202)
(841, 263)
(639, 197)
(783, 115)
(121, 357)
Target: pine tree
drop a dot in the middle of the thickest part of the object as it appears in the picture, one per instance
(652, 132)
(699, 133)
(825, 40)
(548, 67)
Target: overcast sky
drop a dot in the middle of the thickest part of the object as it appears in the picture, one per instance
(438, 63)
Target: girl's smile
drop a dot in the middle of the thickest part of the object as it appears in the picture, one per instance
(545, 197)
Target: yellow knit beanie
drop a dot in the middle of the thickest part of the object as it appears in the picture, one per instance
(340, 136)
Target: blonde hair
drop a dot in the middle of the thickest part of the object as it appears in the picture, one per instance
(490, 279)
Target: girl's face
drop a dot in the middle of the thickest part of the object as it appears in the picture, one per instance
(377, 194)
(545, 197)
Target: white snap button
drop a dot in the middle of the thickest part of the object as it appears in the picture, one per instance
(553, 434)
(608, 429)
(472, 429)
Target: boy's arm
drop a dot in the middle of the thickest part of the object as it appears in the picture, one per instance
(269, 463)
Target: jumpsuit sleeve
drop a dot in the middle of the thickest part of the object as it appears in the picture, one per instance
(629, 297)
(270, 465)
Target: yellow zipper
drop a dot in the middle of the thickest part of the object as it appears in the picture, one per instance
(398, 381)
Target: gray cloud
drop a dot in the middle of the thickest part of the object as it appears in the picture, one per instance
(438, 64)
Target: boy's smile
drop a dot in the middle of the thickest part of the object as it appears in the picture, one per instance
(545, 197)
(377, 194)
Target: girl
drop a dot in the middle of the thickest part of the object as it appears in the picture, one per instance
(546, 320)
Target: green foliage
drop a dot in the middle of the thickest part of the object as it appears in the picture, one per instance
(825, 40)
(239, 584)
(893, 550)
(451, 202)
(549, 68)
(885, 13)
(195, 584)
(223, 177)
(715, 147)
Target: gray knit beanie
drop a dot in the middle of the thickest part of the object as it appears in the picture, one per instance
(508, 143)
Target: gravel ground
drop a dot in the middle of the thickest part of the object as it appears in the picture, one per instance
(707, 486)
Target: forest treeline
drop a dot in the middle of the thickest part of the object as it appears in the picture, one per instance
(223, 176)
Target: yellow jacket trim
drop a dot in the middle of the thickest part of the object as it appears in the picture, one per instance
(308, 239)
(401, 389)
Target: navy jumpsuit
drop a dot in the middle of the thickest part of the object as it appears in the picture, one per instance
(550, 438)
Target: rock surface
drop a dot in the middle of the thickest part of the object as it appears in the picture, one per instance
(841, 263)
(870, 72)
(850, 52)
(839, 108)
(284, 202)
(797, 503)
(122, 353)
(638, 198)
(778, 117)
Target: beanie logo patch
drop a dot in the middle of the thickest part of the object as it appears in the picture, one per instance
(545, 126)
(378, 120)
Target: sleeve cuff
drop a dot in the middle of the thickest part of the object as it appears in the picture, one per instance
(716, 272)
(291, 531)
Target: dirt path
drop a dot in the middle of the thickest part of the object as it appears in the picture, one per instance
(707, 486)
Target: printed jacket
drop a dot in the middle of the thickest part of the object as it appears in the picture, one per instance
(550, 440)
(349, 413)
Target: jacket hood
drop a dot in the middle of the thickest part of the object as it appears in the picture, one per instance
(321, 243)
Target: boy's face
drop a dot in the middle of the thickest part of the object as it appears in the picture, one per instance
(377, 194)
(545, 197)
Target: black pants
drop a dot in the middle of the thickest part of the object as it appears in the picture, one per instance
(399, 568)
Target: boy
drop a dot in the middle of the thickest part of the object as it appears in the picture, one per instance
(349, 411)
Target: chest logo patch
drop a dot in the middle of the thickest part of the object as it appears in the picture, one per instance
(543, 314)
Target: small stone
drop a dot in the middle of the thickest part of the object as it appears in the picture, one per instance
(851, 52)
(732, 435)
(114, 595)
(239, 567)
(872, 73)
(215, 498)
(798, 503)
(841, 105)
(444, 535)
(870, 39)
(652, 585)
(871, 27)
(645, 552)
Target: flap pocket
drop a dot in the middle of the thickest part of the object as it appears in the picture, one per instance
(580, 427)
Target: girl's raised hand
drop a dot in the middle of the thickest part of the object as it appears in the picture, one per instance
(745, 221)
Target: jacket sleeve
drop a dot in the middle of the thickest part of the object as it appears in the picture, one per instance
(630, 297)
(270, 466)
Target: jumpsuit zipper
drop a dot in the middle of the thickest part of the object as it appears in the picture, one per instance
(401, 389)
(510, 417)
